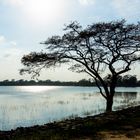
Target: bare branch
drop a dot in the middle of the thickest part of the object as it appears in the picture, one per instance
(114, 46)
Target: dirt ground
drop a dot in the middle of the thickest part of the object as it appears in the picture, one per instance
(114, 135)
(111, 135)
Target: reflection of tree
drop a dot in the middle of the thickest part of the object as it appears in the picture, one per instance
(127, 95)
(126, 99)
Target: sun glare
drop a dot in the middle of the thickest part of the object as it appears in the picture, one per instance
(43, 11)
(36, 89)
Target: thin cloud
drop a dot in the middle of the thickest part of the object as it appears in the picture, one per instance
(127, 8)
(9, 48)
(12, 2)
(7, 55)
(2, 40)
(10, 53)
(13, 43)
(86, 2)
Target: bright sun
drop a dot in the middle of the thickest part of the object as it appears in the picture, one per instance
(39, 11)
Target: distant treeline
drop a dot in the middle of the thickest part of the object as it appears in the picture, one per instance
(123, 81)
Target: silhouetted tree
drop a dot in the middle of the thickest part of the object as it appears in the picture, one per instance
(85, 82)
(120, 81)
(101, 47)
(129, 80)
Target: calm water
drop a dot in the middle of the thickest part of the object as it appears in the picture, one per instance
(32, 105)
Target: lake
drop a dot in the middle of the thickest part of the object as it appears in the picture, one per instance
(36, 105)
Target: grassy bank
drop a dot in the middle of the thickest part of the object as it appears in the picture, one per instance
(124, 124)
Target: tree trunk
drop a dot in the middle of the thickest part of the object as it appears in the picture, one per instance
(109, 104)
(109, 98)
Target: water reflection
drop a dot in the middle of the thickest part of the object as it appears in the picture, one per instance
(27, 106)
(127, 95)
(126, 99)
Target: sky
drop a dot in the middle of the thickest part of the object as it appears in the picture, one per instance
(26, 23)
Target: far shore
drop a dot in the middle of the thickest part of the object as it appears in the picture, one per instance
(65, 85)
(117, 125)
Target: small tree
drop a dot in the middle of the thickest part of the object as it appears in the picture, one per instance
(101, 47)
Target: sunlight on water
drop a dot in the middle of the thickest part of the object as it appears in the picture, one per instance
(36, 88)
(32, 105)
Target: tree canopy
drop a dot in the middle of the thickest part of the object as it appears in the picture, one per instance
(100, 47)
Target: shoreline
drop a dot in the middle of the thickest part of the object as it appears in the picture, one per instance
(124, 123)
(71, 86)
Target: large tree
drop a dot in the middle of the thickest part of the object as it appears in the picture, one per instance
(101, 47)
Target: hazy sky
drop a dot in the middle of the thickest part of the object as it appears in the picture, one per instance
(26, 23)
